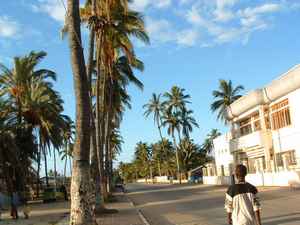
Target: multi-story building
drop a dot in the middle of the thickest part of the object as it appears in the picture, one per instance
(265, 132)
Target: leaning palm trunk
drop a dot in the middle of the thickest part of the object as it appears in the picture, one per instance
(107, 139)
(81, 212)
(177, 159)
(99, 138)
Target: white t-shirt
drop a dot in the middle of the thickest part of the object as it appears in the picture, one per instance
(241, 200)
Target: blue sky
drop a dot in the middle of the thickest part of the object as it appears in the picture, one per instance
(193, 44)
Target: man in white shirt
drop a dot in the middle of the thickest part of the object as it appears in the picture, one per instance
(241, 201)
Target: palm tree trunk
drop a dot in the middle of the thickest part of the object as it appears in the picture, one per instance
(38, 168)
(55, 172)
(65, 171)
(81, 211)
(99, 137)
(107, 139)
(177, 159)
(46, 166)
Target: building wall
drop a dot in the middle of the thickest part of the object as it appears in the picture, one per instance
(223, 156)
(288, 138)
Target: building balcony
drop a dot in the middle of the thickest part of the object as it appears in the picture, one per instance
(252, 140)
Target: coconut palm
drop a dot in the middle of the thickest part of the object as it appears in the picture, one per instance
(208, 144)
(156, 107)
(188, 122)
(143, 158)
(173, 123)
(176, 100)
(224, 97)
(81, 211)
(190, 154)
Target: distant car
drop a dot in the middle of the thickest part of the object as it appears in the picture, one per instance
(51, 194)
(195, 180)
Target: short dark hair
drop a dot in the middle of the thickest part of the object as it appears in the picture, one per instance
(241, 171)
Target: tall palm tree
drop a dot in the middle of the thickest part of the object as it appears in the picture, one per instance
(173, 122)
(143, 158)
(156, 107)
(224, 97)
(188, 122)
(190, 154)
(81, 211)
(176, 99)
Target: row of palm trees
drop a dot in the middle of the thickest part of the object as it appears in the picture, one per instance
(163, 157)
(32, 121)
(172, 113)
(101, 95)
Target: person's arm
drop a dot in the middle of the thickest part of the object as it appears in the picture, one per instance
(257, 207)
(228, 207)
(229, 220)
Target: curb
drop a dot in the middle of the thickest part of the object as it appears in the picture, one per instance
(139, 211)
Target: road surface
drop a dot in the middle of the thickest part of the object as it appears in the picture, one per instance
(204, 205)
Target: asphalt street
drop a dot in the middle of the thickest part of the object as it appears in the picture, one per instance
(204, 205)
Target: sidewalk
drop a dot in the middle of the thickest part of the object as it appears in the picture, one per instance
(127, 215)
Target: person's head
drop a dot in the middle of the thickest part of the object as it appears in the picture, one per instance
(240, 172)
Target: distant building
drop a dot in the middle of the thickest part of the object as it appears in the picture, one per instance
(264, 133)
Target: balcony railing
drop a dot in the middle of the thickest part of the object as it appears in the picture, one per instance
(248, 141)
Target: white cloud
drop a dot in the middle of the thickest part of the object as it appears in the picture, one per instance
(262, 9)
(188, 37)
(53, 8)
(8, 27)
(141, 5)
(159, 30)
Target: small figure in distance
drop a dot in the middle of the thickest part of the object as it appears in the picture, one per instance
(1, 202)
(241, 201)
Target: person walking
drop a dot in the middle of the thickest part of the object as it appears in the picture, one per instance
(1, 203)
(241, 201)
(15, 202)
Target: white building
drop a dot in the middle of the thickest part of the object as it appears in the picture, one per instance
(265, 133)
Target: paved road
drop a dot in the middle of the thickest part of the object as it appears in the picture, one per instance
(204, 205)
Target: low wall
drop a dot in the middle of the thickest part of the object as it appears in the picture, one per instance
(284, 178)
(217, 180)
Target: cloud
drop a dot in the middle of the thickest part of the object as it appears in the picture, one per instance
(160, 30)
(141, 5)
(188, 37)
(8, 27)
(53, 8)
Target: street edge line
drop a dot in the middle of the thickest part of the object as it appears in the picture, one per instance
(142, 217)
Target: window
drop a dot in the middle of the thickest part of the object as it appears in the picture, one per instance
(280, 115)
(292, 157)
(245, 126)
(256, 122)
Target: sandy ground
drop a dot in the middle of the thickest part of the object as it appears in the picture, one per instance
(41, 214)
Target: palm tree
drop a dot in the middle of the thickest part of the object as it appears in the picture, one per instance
(173, 122)
(224, 97)
(143, 158)
(208, 144)
(176, 100)
(191, 155)
(155, 107)
(188, 121)
(81, 211)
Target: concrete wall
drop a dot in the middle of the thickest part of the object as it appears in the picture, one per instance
(284, 178)
(222, 154)
(288, 138)
(217, 180)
